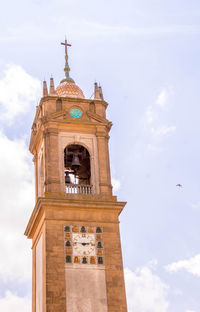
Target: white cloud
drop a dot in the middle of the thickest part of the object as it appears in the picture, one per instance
(163, 130)
(162, 98)
(18, 91)
(145, 290)
(191, 265)
(22, 33)
(108, 30)
(153, 120)
(116, 185)
(196, 206)
(154, 112)
(78, 27)
(11, 302)
(190, 311)
(150, 114)
(17, 201)
(153, 264)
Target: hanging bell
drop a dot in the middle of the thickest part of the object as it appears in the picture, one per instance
(75, 162)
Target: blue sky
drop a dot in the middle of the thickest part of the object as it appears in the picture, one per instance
(145, 54)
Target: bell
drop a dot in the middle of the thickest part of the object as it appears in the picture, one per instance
(84, 260)
(100, 260)
(99, 245)
(68, 259)
(75, 162)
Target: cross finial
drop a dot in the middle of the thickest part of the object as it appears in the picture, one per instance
(67, 68)
(66, 45)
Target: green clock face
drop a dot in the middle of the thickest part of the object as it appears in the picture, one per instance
(75, 113)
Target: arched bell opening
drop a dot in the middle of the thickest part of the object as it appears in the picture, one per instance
(77, 169)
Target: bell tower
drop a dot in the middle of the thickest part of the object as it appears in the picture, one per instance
(74, 227)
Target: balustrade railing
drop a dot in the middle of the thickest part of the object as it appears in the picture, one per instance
(78, 189)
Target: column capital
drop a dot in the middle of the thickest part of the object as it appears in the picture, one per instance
(50, 131)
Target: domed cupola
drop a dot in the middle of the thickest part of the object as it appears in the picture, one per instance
(67, 86)
(69, 89)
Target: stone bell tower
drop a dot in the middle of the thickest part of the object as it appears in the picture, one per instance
(74, 227)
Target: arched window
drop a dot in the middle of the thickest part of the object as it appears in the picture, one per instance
(77, 169)
(92, 107)
(58, 105)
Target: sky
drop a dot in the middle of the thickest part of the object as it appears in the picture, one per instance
(145, 54)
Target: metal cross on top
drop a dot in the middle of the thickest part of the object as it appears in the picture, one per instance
(67, 68)
(66, 45)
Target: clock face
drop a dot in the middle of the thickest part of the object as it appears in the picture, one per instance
(75, 113)
(83, 244)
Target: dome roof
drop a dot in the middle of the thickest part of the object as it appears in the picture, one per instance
(69, 89)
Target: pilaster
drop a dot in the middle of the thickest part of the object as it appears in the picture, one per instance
(52, 177)
(104, 165)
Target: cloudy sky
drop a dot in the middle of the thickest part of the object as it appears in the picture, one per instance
(146, 55)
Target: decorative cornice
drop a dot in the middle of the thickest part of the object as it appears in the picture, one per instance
(75, 202)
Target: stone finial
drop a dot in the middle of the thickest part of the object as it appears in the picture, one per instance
(96, 92)
(51, 88)
(45, 90)
(101, 93)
